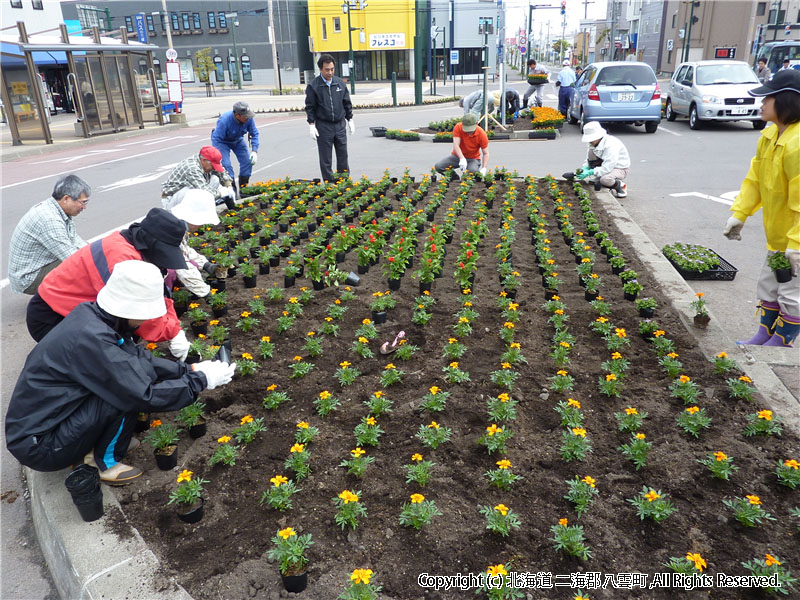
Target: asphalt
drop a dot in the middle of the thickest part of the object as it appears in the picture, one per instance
(88, 560)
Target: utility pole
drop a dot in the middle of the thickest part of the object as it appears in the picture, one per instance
(613, 40)
(166, 23)
(234, 22)
(347, 7)
(688, 41)
(273, 41)
(563, 30)
(777, 19)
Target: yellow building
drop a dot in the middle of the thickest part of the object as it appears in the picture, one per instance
(382, 35)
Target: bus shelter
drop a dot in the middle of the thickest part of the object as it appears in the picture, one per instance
(106, 82)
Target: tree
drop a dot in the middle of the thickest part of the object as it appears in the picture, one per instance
(557, 46)
(203, 65)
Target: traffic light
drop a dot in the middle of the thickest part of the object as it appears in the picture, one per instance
(563, 7)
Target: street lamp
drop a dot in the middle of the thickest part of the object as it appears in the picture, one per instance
(234, 25)
(437, 31)
(346, 8)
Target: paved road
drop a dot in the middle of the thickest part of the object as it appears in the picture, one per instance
(703, 168)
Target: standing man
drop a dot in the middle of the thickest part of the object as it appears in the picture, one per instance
(470, 148)
(202, 171)
(46, 235)
(566, 87)
(762, 72)
(228, 136)
(535, 88)
(328, 106)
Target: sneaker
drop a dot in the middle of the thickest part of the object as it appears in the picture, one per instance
(120, 474)
(133, 444)
(621, 189)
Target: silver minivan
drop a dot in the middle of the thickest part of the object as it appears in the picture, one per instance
(714, 90)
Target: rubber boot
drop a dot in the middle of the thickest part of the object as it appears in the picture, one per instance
(786, 329)
(769, 313)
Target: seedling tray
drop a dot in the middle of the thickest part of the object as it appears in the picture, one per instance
(724, 272)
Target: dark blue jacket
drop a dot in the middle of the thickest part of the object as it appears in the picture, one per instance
(328, 103)
(229, 131)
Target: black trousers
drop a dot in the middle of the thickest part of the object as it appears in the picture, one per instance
(332, 135)
(40, 318)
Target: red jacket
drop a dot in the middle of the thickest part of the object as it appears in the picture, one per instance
(84, 273)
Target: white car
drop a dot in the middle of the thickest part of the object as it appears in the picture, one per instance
(714, 90)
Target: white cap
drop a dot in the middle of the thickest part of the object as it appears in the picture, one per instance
(565, 62)
(135, 290)
(197, 208)
(593, 131)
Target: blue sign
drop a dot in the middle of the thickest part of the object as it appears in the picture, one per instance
(453, 57)
(141, 27)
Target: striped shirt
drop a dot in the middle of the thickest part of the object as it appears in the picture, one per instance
(44, 235)
(189, 174)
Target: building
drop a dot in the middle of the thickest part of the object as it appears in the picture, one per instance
(381, 32)
(461, 25)
(235, 32)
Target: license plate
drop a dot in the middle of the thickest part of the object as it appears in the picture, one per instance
(625, 97)
(740, 111)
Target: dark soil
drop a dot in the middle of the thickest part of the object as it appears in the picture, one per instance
(224, 556)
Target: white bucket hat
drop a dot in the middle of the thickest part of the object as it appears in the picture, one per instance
(197, 208)
(593, 131)
(135, 290)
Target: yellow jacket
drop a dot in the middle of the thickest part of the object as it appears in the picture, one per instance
(773, 183)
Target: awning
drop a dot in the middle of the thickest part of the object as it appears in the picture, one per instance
(12, 56)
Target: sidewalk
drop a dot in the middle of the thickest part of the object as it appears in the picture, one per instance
(89, 561)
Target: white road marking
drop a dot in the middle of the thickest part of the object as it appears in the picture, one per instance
(704, 196)
(78, 157)
(669, 131)
(136, 143)
(176, 137)
(730, 195)
(273, 164)
(145, 177)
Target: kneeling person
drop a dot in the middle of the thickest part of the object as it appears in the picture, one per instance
(470, 147)
(613, 156)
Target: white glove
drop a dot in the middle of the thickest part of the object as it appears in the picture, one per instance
(226, 192)
(217, 372)
(483, 171)
(794, 260)
(351, 126)
(733, 229)
(253, 158)
(179, 346)
(312, 131)
(462, 164)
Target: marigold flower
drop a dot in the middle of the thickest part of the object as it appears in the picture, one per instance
(245, 314)
(185, 476)
(454, 364)
(722, 355)
(755, 500)
(416, 457)
(272, 387)
(247, 356)
(631, 411)
(590, 481)
(224, 439)
(366, 321)
(563, 522)
(302, 425)
(556, 298)
(151, 346)
(616, 356)
(503, 464)
(434, 390)
(699, 294)
(389, 366)
(417, 498)
(433, 425)
(640, 436)
(348, 496)
(496, 570)
(502, 509)
(467, 303)
(685, 379)
(493, 428)
(573, 403)
(361, 576)
(505, 365)
(278, 480)
(601, 320)
(652, 495)
(466, 291)
(620, 332)
(265, 338)
(673, 355)
(765, 414)
(356, 452)
(562, 372)
(770, 560)
(337, 301)
(378, 394)
(194, 305)
(692, 409)
(344, 364)
(246, 419)
(201, 336)
(611, 377)
(297, 448)
(156, 423)
(515, 345)
(285, 313)
(311, 333)
(503, 397)
(699, 561)
(659, 333)
(745, 378)
(792, 464)
(286, 533)
(213, 322)
(720, 456)
(579, 431)
(370, 421)
(363, 340)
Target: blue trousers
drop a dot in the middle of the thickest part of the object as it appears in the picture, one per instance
(565, 95)
(242, 152)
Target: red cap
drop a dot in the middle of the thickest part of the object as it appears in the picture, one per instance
(212, 154)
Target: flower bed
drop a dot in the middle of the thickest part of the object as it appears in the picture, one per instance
(462, 445)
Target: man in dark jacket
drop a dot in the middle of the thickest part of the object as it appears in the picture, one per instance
(82, 386)
(327, 108)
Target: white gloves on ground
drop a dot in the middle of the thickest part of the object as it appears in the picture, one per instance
(794, 260)
(733, 229)
(351, 126)
(217, 372)
(179, 346)
(253, 158)
(312, 131)
(462, 164)
(226, 192)
(483, 171)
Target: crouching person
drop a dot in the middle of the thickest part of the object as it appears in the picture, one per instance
(82, 386)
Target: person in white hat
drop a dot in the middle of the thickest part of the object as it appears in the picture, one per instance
(607, 160)
(196, 208)
(565, 84)
(78, 395)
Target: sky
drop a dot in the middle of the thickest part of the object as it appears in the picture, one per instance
(516, 11)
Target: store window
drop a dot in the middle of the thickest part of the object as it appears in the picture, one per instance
(212, 20)
(219, 69)
(150, 26)
(129, 24)
(16, 3)
(163, 23)
(247, 75)
(185, 19)
(223, 22)
(196, 21)
(324, 29)
(761, 9)
(337, 25)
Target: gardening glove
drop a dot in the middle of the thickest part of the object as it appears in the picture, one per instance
(516, 115)
(733, 229)
(217, 372)
(351, 126)
(253, 158)
(210, 268)
(226, 192)
(179, 346)
(312, 131)
(794, 260)
(483, 171)
(462, 164)
(585, 174)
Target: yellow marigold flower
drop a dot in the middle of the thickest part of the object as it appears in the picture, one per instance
(745, 378)
(245, 314)
(699, 294)
(194, 305)
(505, 365)
(562, 372)
(426, 293)
(755, 500)
(503, 464)
(673, 355)
(328, 319)
(563, 522)
(466, 291)
(370, 421)
(508, 325)
(502, 509)
(224, 439)
(247, 356)
(692, 409)
(337, 301)
(272, 387)
(297, 448)
(574, 403)
(601, 320)
(417, 498)
(513, 306)
(492, 429)
(311, 333)
(265, 338)
(620, 332)
(503, 397)
(722, 355)
(685, 379)
(363, 340)
(344, 364)
(652, 495)
(389, 366)
(213, 322)
(361, 576)
(202, 336)
(463, 320)
(590, 481)
(699, 561)
(611, 377)
(297, 359)
(579, 431)
(720, 456)
(765, 414)
(792, 464)
(416, 457)
(285, 313)
(515, 345)
(420, 306)
(246, 419)
(433, 425)
(454, 364)
(366, 321)
(770, 560)
(302, 425)
(278, 480)
(631, 411)
(468, 303)
(556, 298)
(659, 333)
(565, 344)
(348, 496)
(640, 436)
(286, 533)
(496, 570)
(185, 476)
(356, 452)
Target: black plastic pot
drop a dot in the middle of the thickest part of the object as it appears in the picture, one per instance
(83, 484)
(511, 294)
(180, 309)
(379, 317)
(340, 256)
(288, 281)
(167, 458)
(199, 430)
(378, 131)
(194, 513)
(548, 294)
(217, 284)
(363, 269)
(394, 284)
(783, 275)
(219, 311)
(250, 282)
(274, 261)
(318, 285)
(142, 423)
(295, 583)
(589, 295)
(425, 286)
(263, 269)
(352, 279)
(646, 313)
(630, 297)
(198, 328)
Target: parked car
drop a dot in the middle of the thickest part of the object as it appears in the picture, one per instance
(617, 92)
(714, 90)
(146, 93)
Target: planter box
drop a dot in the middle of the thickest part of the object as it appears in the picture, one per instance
(538, 135)
(501, 136)
(442, 141)
(724, 272)
(378, 131)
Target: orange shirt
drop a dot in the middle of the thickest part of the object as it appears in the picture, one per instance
(471, 144)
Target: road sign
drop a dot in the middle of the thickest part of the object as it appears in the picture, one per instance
(454, 57)
(523, 49)
(172, 54)
(523, 40)
(141, 28)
